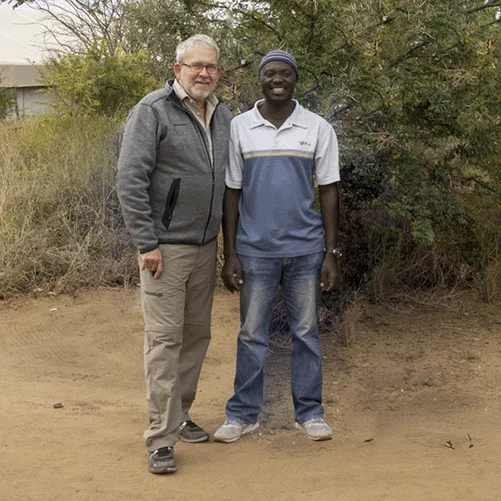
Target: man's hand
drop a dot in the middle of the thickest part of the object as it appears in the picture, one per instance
(232, 274)
(152, 261)
(329, 274)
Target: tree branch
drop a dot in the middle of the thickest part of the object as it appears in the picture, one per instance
(408, 54)
(487, 5)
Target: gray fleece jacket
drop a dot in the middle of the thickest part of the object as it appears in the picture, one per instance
(168, 189)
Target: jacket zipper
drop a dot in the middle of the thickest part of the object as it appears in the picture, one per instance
(200, 133)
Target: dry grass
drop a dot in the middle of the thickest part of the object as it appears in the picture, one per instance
(489, 235)
(60, 225)
(490, 282)
(350, 316)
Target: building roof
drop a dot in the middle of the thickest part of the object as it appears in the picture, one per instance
(20, 75)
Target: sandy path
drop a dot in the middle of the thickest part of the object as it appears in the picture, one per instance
(415, 378)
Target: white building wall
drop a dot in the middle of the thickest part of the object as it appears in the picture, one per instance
(32, 101)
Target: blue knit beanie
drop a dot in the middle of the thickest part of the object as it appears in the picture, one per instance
(279, 55)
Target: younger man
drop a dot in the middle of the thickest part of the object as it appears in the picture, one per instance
(273, 237)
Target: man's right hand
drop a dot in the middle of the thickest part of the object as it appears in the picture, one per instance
(232, 274)
(152, 261)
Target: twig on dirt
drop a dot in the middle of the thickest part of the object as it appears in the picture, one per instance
(471, 443)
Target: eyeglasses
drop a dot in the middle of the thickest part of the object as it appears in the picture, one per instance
(212, 69)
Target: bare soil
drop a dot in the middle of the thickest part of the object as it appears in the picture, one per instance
(418, 374)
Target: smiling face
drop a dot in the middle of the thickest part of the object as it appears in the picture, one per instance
(198, 84)
(278, 81)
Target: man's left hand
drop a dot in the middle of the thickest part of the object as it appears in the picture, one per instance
(329, 274)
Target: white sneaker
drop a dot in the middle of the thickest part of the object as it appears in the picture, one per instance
(233, 430)
(316, 429)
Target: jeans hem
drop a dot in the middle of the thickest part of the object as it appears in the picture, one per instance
(321, 416)
(240, 421)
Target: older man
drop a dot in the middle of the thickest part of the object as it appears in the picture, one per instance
(170, 183)
(273, 237)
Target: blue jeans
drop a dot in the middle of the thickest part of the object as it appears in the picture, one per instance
(299, 278)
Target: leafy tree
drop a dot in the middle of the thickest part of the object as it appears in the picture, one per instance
(97, 82)
(410, 87)
(156, 27)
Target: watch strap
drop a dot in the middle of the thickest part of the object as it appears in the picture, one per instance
(335, 251)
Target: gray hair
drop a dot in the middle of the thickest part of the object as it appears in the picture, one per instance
(191, 42)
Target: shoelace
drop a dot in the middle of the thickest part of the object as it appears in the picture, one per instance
(163, 452)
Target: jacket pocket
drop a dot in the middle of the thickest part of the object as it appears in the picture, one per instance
(170, 203)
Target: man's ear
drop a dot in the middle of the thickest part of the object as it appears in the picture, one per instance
(177, 69)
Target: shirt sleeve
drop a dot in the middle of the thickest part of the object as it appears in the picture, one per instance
(326, 155)
(234, 172)
(136, 164)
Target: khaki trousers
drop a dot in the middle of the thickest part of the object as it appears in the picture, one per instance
(177, 314)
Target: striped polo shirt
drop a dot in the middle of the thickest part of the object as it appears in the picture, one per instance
(276, 170)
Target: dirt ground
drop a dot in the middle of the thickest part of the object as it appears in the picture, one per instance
(417, 375)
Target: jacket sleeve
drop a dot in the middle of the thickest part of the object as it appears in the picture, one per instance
(136, 164)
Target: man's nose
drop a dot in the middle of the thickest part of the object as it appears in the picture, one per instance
(204, 71)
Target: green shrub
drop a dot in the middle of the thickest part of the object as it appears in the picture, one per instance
(7, 102)
(97, 83)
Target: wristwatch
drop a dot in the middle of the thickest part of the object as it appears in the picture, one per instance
(335, 251)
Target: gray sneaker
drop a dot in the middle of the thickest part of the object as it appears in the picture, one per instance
(162, 461)
(192, 433)
(316, 429)
(233, 430)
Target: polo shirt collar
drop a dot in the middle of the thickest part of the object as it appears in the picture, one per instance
(294, 119)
